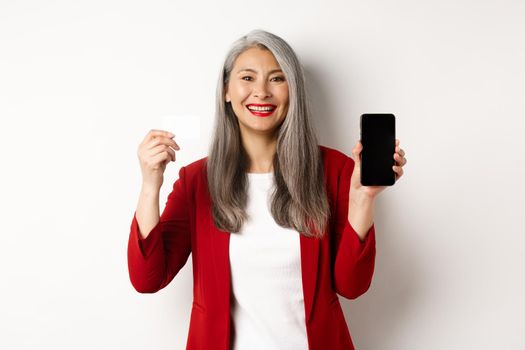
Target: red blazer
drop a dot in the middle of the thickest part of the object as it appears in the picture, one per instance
(339, 263)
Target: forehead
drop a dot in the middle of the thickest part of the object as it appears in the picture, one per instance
(255, 58)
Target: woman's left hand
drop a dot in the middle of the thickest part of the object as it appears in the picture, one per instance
(370, 192)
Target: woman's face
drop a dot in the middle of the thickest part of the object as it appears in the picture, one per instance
(256, 79)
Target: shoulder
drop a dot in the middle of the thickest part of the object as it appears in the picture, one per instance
(196, 166)
(334, 159)
(194, 171)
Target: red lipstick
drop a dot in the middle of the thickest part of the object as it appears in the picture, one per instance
(262, 112)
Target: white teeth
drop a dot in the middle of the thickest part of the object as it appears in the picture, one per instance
(253, 108)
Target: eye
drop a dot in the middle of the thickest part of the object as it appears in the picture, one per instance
(243, 78)
(279, 78)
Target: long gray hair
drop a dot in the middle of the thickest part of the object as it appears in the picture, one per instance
(299, 199)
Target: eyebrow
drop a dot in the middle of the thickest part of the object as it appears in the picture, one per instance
(254, 71)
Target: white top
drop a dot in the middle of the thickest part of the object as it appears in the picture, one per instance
(267, 305)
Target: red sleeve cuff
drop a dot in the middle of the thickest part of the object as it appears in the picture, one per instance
(362, 248)
(145, 245)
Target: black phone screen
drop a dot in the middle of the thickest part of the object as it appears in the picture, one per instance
(378, 138)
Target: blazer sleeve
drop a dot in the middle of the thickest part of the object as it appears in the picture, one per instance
(153, 262)
(354, 259)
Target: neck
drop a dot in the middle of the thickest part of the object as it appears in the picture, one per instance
(260, 150)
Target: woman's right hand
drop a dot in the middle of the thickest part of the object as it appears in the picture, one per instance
(154, 153)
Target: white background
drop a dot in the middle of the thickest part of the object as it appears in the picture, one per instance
(81, 83)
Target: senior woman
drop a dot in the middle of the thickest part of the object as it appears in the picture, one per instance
(278, 226)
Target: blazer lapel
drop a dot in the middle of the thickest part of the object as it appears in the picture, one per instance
(221, 260)
(309, 264)
(218, 252)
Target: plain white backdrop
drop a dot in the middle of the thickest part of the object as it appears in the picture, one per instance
(82, 82)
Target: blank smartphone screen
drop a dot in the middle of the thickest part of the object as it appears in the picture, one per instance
(378, 138)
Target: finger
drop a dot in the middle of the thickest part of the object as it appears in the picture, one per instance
(160, 158)
(162, 148)
(162, 140)
(397, 169)
(399, 172)
(157, 149)
(399, 160)
(171, 155)
(400, 151)
(397, 142)
(155, 133)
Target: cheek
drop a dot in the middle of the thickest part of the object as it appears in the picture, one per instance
(283, 94)
(285, 102)
(239, 92)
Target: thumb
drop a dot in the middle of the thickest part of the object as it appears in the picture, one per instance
(356, 173)
(356, 152)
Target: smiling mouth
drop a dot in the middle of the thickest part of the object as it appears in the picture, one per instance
(261, 110)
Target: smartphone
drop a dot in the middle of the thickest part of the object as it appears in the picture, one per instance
(378, 137)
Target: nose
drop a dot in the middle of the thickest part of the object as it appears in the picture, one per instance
(261, 90)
